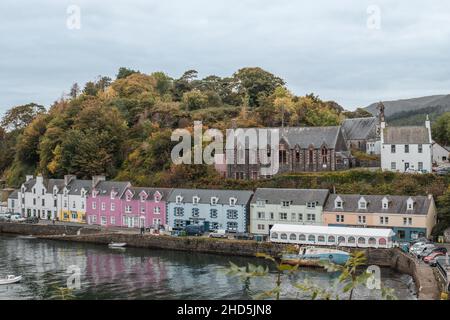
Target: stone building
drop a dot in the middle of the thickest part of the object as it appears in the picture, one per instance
(300, 149)
(362, 134)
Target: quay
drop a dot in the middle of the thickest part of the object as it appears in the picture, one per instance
(426, 284)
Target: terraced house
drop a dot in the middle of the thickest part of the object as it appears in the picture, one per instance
(73, 199)
(285, 206)
(410, 217)
(215, 209)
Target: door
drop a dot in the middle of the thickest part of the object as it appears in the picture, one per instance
(130, 222)
(406, 166)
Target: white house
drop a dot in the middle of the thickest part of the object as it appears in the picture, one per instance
(13, 202)
(408, 147)
(440, 154)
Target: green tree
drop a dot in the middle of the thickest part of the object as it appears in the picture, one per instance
(441, 129)
(125, 72)
(194, 100)
(17, 118)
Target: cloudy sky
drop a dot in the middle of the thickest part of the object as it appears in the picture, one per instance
(340, 50)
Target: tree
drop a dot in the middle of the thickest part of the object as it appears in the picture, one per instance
(125, 72)
(358, 113)
(90, 89)
(17, 118)
(74, 91)
(441, 129)
(257, 83)
(194, 100)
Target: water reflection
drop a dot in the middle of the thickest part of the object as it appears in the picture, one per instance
(144, 273)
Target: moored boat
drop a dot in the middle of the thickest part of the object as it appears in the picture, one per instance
(10, 279)
(117, 244)
(311, 256)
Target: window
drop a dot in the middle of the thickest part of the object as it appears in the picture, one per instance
(232, 214)
(128, 209)
(382, 242)
(214, 226)
(233, 201)
(311, 238)
(156, 221)
(74, 216)
(351, 240)
(103, 221)
(361, 240)
(213, 213)
(300, 217)
(65, 203)
(362, 204)
(156, 210)
(297, 156)
(113, 206)
(113, 220)
(285, 204)
(321, 239)
(384, 220)
(214, 201)
(43, 202)
(393, 166)
(341, 240)
(260, 203)
(177, 223)
(34, 190)
(73, 205)
(179, 212)
(274, 235)
(179, 199)
(103, 206)
(283, 216)
(94, 219)
(407, 221)
(311, 217)
(420, 148)
(232, 226)
(292, 237)
(362, 219)
(283, 236)
(82, 205)
(195, 212)
(311, 205)
(261, 227)
(195, 200)
(302, 237)
(331, 239)
(261, 215)
(34, 202)
(283, 156)
(339, 218)
(372, 241)
(392, 148)
(406, 148)
(293, 216)
(420, 166)
(94, 205)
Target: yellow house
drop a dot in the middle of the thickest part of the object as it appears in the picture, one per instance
(410, 217)
(72, 200)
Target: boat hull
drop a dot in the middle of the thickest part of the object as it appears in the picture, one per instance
(315, 259)
(10, 281)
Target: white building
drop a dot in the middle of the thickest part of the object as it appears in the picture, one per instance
(408, 147)
(285, 206)
(440, 154)
(13, 202)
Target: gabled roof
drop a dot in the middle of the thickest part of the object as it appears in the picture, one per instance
(360, 128)
(104, 188)
(205, 195)
(406, 135)
(14, 195)
(76, 185)
(297, 196)
(397, 204)
(48, 183)
(165, 192)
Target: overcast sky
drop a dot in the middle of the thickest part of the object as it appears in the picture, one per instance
(332, 48)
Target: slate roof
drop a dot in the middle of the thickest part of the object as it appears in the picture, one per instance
(297, 196)
(406, 135)
(397, 204)
(360, 128)
(14, 195)
(205, 195)
(48, 183)
(304, 137)
(104, 187)
(165, 192)
(76, 185)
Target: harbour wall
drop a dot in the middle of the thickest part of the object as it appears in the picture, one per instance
(425, 281)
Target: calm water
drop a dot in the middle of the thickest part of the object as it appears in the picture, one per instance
(146, 274)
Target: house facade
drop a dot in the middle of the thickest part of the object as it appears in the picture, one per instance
(215, 209)
(406, 148)
(440, 154)
(362, 134)
(13, 204)
(144, 207)
(300, 149)
(104, 203)
(271, 206)
(72, 199)
(410, 217)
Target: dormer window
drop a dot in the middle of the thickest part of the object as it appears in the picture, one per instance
(195, 200)
(362, 204)
(157, 197)
(178, 199)
(55, 191)
(260, 203)
(338, 203)
(385, 203)
(128, 196)
(233, 201)
(113, 194)
(214, 200)
(410, 204)
(65, 192)
(142, 196)
(285, 204)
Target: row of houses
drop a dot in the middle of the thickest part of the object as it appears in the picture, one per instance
(119, 204)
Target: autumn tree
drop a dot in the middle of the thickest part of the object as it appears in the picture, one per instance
(19, 117)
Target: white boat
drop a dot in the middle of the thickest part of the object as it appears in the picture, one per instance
(312, 256)
(117, 244)
(10, 279)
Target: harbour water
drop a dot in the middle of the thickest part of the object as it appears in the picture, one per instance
(149, 274)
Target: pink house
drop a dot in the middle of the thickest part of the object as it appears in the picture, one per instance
(104, 204)
(144, 207)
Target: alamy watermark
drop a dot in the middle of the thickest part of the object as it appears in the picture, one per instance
(73, 21)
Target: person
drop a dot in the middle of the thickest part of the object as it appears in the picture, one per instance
(142, 230)
(53, 221)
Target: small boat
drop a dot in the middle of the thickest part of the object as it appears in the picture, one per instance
(311, 256)
(117, 244)
(10, 279)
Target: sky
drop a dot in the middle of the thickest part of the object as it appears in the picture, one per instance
(354, 52)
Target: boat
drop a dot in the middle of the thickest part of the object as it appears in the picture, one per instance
(311, 256)
(117, 244)
(10, 279)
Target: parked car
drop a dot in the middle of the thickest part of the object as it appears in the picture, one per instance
(17, 218)
(424, 250)
(32, 220)
(433, 256)
(5, 216)
(194, 230)
(243, 236)
(416, 246)
(443, 171)
(218, 234)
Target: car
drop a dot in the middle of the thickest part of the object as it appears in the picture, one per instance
(433, 256)
(218, 234)
(423, 249)
(194, 230)
(411, 170)
(243, 236)
(416, 246)
(5, 216)
(17, 218)
(32, 220)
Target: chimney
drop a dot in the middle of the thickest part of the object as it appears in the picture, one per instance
(39, 179)
(428, 126)
(28, 177)
(68, 178)
(97, 179)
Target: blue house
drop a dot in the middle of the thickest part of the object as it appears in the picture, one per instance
(215, 209)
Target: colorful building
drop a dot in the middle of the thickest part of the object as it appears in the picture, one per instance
(215, 209)
(72, 199)
(104, 203)
(285, 206)
(144, 207)
(410, 217)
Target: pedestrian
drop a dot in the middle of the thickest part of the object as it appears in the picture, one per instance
(53, 220)
(142, 230)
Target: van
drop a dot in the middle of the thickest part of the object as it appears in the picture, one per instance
(194, 230)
